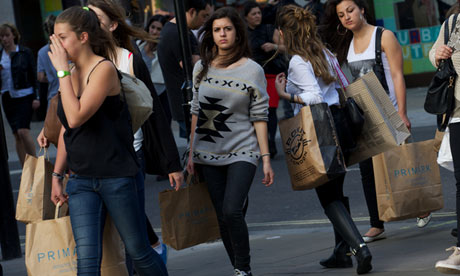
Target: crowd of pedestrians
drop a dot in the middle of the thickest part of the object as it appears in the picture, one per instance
(245, 63)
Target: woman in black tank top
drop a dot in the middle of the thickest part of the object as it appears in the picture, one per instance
(95, 144)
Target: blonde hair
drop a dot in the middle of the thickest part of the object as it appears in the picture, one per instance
(300, 38)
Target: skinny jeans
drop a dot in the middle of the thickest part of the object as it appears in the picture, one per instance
(228, 187)
(454, 130)
(89, 201)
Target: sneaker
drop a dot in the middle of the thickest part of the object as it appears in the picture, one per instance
(242, 273)
(368, 239)
(422, 222)
(450, 265)
(164, 253)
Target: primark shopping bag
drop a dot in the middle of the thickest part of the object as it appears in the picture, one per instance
(383, 128)
(34, 197)
(188, 217)
(50, 249)
(407, 181)
(311, 147)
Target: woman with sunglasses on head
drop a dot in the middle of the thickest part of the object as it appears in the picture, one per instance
(229, 128)
(96, 144)
(311, 80)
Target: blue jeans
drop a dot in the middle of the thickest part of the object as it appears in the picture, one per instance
(89, 201)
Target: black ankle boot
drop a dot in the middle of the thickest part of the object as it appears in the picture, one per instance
(344, 225)
(364, 258)
(339, 258)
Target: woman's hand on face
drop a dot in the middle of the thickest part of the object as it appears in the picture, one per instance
(58, 54)
(443, 52)
(280, 83)
(42, 140)
(57, 194)
(269, 175)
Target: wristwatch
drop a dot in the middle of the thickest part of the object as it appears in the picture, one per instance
(62, 73)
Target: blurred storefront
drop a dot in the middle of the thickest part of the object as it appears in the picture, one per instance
(416, 24)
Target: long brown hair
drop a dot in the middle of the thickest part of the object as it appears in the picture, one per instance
(336, 37)
(124, 32)
(300, 38)
(208, 50)
(81, 20)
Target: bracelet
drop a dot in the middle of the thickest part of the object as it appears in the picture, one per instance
(276, 47)
(58, 175)
(265, 154)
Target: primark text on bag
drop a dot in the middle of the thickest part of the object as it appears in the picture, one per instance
(407, 181)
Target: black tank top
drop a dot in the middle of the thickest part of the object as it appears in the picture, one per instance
(103, 146)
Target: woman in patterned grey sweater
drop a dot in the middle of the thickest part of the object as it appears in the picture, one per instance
(229, 123)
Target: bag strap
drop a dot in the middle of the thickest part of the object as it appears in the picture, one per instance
(99, 62)
(446, 28)
(378, 46)
(342, 97)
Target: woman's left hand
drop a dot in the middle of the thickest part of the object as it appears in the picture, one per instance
(269, 175)
(58, 54)
(176, 179)
(280, 83)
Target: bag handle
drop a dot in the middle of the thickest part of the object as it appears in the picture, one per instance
(45, 153)
(446, 28)
(342, 96)
(56, 212)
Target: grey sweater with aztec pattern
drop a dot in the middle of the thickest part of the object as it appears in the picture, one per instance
(227, 102)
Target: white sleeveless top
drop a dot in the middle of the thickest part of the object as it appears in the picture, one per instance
(123, 59)
(362, 63)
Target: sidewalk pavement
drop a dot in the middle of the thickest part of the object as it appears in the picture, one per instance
(295, 248)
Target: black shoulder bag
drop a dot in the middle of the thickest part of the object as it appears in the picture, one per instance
(440, 96)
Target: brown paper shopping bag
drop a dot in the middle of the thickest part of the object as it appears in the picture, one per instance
(383, 128)
(51, 249)
(407, 181)
(188, 217)
(311, 147)
(34, 197)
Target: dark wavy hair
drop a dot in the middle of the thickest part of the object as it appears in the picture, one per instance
(124, 33)
(208, 50)
(337, 41)
(81, 20)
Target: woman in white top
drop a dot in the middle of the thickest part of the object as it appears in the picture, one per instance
(311, 80)
(349, 34)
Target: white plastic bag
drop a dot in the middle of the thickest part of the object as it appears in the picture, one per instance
(445, 155)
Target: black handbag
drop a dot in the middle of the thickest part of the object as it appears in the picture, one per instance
(440, 95)
(352, 125)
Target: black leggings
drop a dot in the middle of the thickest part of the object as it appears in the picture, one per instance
(229, 187)
(455, 148)
(367, 178)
